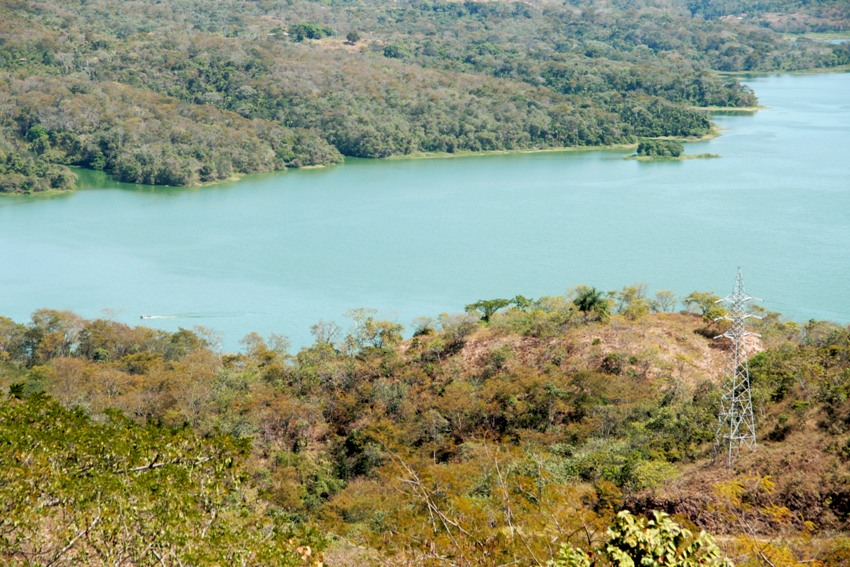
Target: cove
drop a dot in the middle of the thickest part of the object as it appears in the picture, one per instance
(416, 237)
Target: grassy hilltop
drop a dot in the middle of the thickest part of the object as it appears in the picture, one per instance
(474, 442)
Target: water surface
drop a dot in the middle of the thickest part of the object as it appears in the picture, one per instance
(277, 253)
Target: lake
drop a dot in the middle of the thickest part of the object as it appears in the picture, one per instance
(416, 237)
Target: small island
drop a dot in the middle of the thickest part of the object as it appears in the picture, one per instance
(658, 149)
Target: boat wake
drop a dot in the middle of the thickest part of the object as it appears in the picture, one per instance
(191, 316)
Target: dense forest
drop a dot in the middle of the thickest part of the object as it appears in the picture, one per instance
(793, 16)
(181, 92)
(575, 430)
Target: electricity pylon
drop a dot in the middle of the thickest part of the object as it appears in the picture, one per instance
(736, 426)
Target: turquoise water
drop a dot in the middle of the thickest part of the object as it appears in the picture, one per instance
(277, 253)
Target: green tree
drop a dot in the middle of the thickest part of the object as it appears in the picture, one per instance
(300, 32)
(632, 302)
(368, 332)
(486, 308)
(591, 301)
(75, 491)
(664, 301)
(39, 139)
(522, 303)
(704, 303)
(396, 51)
(660, 148)
(634, 541)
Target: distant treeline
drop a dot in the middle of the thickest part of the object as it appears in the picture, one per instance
(182, 92)
(794, 16)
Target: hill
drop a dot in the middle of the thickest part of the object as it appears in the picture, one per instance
(176, 92)
(473, 442)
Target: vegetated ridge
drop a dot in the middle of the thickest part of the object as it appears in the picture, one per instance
(181, 92)
(515, 432)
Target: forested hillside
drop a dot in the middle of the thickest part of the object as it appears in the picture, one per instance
(795, 16)
(181, 92)
(513, 433)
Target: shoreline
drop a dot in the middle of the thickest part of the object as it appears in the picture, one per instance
(811, 71)
(715, 132)
(820, 36)
(747, 109)
(683, 157)
(50, 193)
(471, 153)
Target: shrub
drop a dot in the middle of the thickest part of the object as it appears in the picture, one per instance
(660, 148)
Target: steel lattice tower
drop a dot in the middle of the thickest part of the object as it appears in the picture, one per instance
(735, 422)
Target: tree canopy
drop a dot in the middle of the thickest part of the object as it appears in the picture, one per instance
(660, 148)
(179, 92)
(469, 443)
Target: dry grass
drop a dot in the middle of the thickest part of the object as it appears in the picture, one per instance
(659, 346)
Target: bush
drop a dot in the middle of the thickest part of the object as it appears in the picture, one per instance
(660, 148)
(634, 541)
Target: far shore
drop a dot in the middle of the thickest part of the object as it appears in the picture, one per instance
(471, 153)
(730, 108)
(812, 71)
(713, 133)
(45, 194)
(682, 157)
(822, 36)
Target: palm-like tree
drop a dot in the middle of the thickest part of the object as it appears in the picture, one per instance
(591, 300)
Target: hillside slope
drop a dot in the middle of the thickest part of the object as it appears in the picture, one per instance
(486, 441)
(177, 92)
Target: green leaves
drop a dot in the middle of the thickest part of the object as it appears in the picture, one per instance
(591, 301)
(660, 148)
(518, 442)
(705, 303)
(634, 541)
(487, 307)
(115, 491)
(300, 32)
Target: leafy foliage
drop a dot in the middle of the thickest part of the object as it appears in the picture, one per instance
(787, 16)
(589, 300)
(660, 148)
(472, 442)
(660, 541)
(487, 307)
(178, 92)
(76, 491)
(705, 303)
(300, 32)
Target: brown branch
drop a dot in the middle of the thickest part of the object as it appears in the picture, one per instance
(156, 464)
(422, 492)
(754, 538)
(74, 539)
(508, 510)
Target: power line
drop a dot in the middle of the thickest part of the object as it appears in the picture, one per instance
(736, 426)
